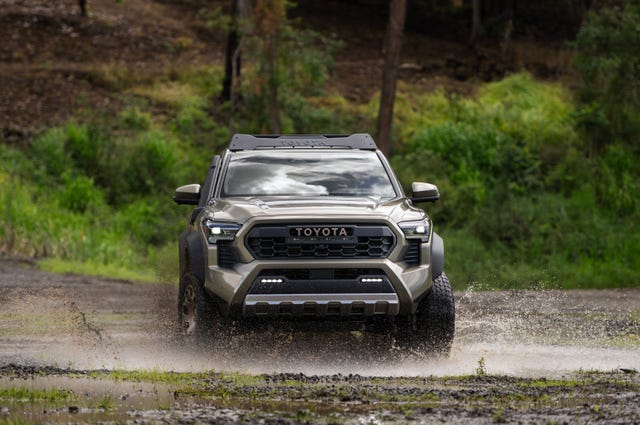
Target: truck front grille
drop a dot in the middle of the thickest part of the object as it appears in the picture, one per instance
(364, 241)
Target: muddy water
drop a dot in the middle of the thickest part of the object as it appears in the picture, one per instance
(92, 323)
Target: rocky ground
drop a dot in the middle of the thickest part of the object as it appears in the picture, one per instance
(86, 349)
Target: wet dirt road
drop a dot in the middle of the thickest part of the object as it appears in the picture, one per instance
(586, 343)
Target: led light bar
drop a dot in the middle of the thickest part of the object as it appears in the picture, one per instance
(371, 280)
(271, 280)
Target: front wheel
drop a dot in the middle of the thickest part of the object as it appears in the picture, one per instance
(195, 310)
(432, 327)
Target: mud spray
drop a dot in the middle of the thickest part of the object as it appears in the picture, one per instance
(72, 322)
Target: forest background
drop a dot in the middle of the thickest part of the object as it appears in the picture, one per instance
(525, 114)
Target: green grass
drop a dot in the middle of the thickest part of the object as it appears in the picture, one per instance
(25, 395)
(91, 268)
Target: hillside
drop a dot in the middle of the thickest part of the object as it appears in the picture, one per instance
(55, 63)
(104, 116)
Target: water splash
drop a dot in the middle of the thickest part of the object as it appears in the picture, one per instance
(520, 333)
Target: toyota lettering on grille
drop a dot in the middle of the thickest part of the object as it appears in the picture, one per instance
(320, 233)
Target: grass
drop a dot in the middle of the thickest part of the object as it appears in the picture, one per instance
(324, 401)
(25, 395)
(91, 268)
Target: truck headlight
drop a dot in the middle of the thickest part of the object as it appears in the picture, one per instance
(416, 229)
(219, 231)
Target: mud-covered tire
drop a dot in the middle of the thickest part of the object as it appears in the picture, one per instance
(432, 328)
(196, 313)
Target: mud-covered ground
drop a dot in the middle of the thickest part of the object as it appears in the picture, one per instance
(85, 349)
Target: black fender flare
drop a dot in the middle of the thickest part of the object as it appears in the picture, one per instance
(437, 256)
(192, 255)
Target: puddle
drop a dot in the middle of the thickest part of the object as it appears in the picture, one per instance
(76, 399)
(118, 325)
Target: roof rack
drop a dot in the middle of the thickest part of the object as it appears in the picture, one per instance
(241, 142)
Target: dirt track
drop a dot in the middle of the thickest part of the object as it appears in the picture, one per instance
(533, 356)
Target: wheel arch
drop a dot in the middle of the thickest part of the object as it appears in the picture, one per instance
(192, 255)
(437, 256)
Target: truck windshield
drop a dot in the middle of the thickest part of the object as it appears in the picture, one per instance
(307, 173)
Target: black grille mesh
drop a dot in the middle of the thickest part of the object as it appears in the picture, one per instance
(277, 247)
(412, 255)
(226, 254)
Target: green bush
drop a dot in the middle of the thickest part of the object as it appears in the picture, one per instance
(136, 119)
(152, 164)
(50, 157)
(618, 185)
(523, 204)
(296, 70)
(78, 194)
(607, 59)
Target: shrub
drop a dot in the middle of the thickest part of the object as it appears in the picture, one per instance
(136, 119)
(522, 203)
(79, 195)
(608, 60)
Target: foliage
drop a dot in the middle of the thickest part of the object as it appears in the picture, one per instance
(520, 204)
(524, 203)
(287, 65)
(608, 60)
(95, 198)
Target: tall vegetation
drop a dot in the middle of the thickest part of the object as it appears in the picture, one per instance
(284, 66)
(523, 202)
(608, 58)
(539, 188)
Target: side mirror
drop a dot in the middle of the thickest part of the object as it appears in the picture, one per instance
(187, 195)
(424, 192)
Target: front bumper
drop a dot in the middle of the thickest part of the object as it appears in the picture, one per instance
(323, 288)
(233, 285)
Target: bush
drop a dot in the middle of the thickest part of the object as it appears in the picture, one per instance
(523, 202)
(608, 60)
(79, 195)
(136, 119)
(151, 168)
(287, 65)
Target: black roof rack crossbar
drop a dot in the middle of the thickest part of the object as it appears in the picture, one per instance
(241, 142)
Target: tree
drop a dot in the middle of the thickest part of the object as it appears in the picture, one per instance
(393, 45)
(240, 13)
(508, 28)
(84, 11)
(608, 57)
(83, 7)
(268, 19)
(475, 21)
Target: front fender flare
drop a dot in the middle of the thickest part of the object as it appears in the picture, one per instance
(192, 255)
(437, 256)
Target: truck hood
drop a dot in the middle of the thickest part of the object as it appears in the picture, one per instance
(239, 210)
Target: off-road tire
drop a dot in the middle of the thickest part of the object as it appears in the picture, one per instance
(196, 314)
(431, 329)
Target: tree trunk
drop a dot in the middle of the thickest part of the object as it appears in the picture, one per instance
(232, 54)
(393, 44)
(508, 29)
(239, 30)
(274, 107)
(475, 21)
(83, 8)
(241, 14)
